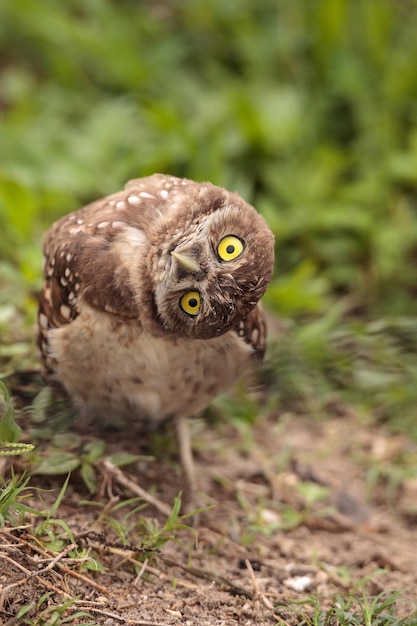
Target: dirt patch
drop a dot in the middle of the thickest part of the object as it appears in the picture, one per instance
(297, 510)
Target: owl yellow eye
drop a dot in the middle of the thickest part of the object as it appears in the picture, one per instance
(191, 302)
(229, 248)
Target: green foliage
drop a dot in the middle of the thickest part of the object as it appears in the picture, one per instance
(53, 614)
(356, 608)
(13, 492)
(9, 430)
(307, 108)
(126, 519)
(371, 365)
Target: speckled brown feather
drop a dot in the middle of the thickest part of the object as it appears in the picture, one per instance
(72, 247)
(112, 257)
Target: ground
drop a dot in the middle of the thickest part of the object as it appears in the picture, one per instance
(302, 516)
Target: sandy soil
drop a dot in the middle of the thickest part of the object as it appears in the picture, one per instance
(297, 509)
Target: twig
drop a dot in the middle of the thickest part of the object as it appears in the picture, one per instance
(136, 489)
(141, 572)
(15, 563)
(258, 593)
(208, 575)
(66, 570)
(179, 582)
(61, 566)
(28, 576)
(55, 560)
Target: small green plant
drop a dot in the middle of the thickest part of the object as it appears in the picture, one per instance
(130, 525)
(46, 530)
(266, 517)
(355, 608)
(12, 495)
(53, 614)
(157, 535)
(9, 431)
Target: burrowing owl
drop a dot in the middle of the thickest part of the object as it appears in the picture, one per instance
(149, 303)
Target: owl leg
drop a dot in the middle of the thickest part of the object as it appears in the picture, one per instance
(187, 462)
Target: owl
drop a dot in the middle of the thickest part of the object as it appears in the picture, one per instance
(149, 306)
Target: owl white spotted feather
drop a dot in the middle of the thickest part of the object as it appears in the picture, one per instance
(149, 306)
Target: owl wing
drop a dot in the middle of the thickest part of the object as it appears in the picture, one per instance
(81, 250)
(86, 252)
(253, 330)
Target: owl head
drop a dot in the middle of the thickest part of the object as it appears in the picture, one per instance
(209, 262)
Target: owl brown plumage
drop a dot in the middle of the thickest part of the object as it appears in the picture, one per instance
(149, 306)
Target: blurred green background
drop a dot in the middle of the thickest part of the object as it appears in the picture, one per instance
(307, 108)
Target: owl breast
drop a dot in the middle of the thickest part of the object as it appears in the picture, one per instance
(138, 376)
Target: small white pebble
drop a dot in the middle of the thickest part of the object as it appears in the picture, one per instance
(174, 613)
(298, 583)
(270, 517)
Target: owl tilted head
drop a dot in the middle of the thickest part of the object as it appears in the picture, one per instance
(209, 260)
(180, 258)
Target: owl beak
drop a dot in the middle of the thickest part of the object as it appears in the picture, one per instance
(186, 262)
